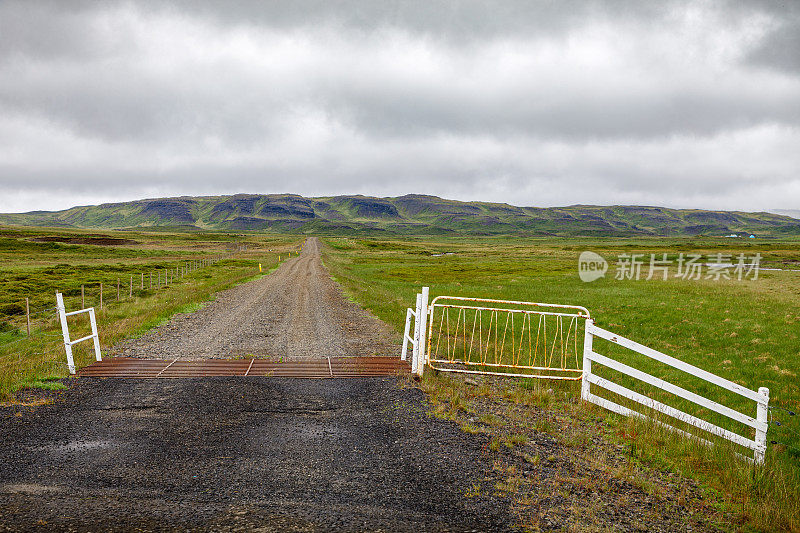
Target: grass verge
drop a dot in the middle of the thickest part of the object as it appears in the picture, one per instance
(745, 332)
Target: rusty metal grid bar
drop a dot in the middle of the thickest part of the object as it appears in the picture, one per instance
(318, 368)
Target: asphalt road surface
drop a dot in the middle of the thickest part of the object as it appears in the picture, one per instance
(241, 454)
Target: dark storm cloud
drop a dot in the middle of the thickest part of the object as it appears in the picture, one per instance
(676, 103)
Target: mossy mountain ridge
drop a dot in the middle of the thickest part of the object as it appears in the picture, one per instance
(403, 215)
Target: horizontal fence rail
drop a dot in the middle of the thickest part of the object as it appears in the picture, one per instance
(761, 398)
(486, 336)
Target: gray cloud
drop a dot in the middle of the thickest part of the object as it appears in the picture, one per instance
(538, 103)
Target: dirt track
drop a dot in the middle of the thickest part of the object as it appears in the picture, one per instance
(296, 312)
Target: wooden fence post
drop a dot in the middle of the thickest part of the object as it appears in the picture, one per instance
(28, 314)
(83, 298)
(142, 287)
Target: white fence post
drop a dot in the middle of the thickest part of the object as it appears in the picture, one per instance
(423, 323)
(95, 336)
(410, 313)
(762, 411)
(65, 331)
(587, 362)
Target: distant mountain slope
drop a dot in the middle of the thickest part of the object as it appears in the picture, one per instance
(794, 213)
(410, 214)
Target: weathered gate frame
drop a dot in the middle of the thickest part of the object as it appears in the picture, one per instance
(572, 374)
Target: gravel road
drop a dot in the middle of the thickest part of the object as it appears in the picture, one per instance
(296, 312)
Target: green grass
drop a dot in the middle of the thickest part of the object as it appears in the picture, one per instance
(36, 273)
(746, 331)
(46, 383)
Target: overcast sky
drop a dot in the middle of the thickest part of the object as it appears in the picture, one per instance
(681, 104)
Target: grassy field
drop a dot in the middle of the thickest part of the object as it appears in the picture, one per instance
(38, 262)
(745, 331)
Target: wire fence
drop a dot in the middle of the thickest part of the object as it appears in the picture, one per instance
(21, 318)
(31, 343)
(31, 340)
(785, 426)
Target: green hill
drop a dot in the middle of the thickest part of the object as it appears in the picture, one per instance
(410, 214)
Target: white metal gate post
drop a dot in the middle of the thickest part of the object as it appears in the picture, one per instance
(762, 410)
(587, 362)
(62, 316)
(423, 337)
(415, 344)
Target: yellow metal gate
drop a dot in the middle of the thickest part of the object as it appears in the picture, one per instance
(525, 339)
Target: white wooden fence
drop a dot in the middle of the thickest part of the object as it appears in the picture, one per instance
(758, 444)
(62, 315)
